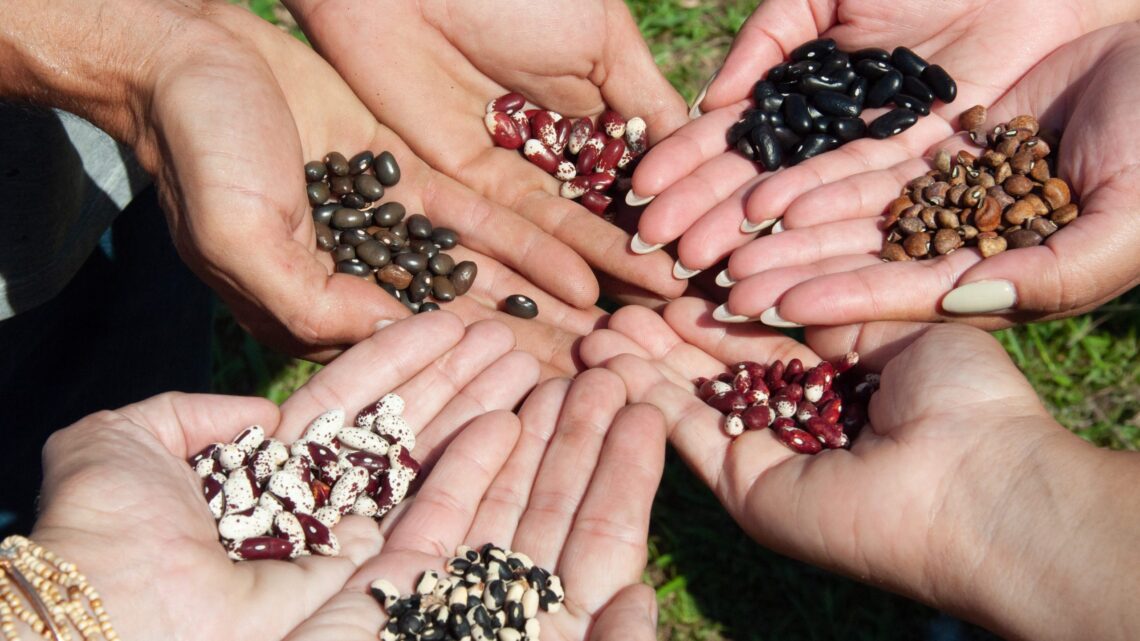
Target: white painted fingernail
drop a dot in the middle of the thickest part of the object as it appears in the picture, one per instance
(778, 227)
(633, 200)
(982, 297)
(750, 227)
(680, 272)
(723, 315)
(772, 318)
(695, 110)
(724, 280)
(638, 246)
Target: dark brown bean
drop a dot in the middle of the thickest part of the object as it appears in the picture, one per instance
(463, 276)
(353, 267)
(337, 164)
(1023, 238)
(441, 264)
(315, 171)
(374, 253)
(389, 214)
(420, 287)
(368, 187)
(386, 168)
(520, 306)
(442, 289)
(326, 239)
(341, 185)
(324, 214)
(428, 307)
(1043, 226)
(360, 163)
(423, 246)
(345, 218)
(419, 226)
(318, 193)
(353, 201)
(444, 237)
(353, 237)
(395, 276)
(414, 263)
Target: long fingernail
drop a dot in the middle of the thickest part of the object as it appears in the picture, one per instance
(633, 200)
(724, 280)
(680, 272)
(723, 315)
(695, 110)
(778, 227)
(750, 227)
(772, 318)
(982, 297)
(638, 246)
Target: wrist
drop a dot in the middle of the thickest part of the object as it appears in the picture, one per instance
(1042, 554)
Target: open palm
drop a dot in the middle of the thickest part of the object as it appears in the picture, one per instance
(429, 69)
(706, 190)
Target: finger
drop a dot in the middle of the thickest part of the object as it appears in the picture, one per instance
(604, 344)
(686, 150)
(634, 84)
(428, 392)
(499, 387)
(717, 233)
(864, 195)
(351, 615)
(751, 297)
(506, 500)
(772, 198)
(443, 509)
(876, 343)
(186, 423)
(589, 409)
(384, 360)
(606, 548)
(807, 245)
(632, 615)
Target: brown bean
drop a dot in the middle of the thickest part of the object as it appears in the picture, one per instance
(917, 245)
(893, 252)
(946, 241)
(991, 245)
(987, 216)
(973, 118)
(1023, 238)
(1017, 185)
(1056, 193)
(1018, 213)
(1065, 215)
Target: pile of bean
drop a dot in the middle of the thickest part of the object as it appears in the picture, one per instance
(486, 594)
(812, 103)
(273, 501)
(590, 161)
(1007, 198)
(404, 256)
(807, 409)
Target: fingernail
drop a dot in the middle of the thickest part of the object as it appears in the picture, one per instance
(633, 200)
(750, 227)
(638, 246)
(680, 272)
(982, 297)
(724, 280)
(723, 315)
(695, 111)
(778, 227)
(381, 324)
(772, 318)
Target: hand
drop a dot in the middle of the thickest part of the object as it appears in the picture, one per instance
(228, 110)
(120, 501)
(430, 68)
(962, 491)
(707, 190)
(825, 269)
(573, 491)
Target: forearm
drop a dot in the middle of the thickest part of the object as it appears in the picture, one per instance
(1052, 552)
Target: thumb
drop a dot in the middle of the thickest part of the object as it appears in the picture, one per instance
(631, 615)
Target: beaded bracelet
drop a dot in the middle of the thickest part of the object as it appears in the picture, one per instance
(61, 599)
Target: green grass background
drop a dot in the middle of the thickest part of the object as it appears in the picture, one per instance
(712, 581)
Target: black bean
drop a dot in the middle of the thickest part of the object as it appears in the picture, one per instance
(908, 62)
(325, 238)
(390, 240)
(873, 69)
(441, 264)
(386, 168)
(766, 147)
(360, 163)
(891, 123)
(463, 276)
(847, 129)
(913, 86)
(345, 218)
(834, 63)
(520, 306)
(746, 149)
(400, 229)
(419, 226)
(404, 605)
(445, 237)
(423, 246)
(457, 625)
(369, 187)
(515, 618)
(420, 287)
(812, 146)
(776, 119)
(343, 252)
(353, 201)
(738, 130)
(818, 48)
(397, 294)
(414, 263)
(388, 214)
(537, 576)
(353, 267)
(916, 105)
(324, 213)
(341, 185)
(433, 633)
(762, 90)
(779, 73)
(820, 125)
(871, 53)
(884, 89)
(857, 91)
(771, 104)
(814, 84)
(788, 86)
(845, 76)
(373, 252)
(412, 623)
(836, 104)
(353, 237)
(337, 164)
(442, 289)
(787, 138)
(428, 307)
(796, 114)
(318, 193)
(940, 83)
(803, 68)
(315, 171)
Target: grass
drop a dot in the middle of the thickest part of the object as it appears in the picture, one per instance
(712, 581)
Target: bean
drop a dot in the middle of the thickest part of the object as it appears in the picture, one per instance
(796, 114)
(813, 49)
(836, 104)
(318, 193)
(386, 168)
(891, 123)
(520, 306)
(884, 89)
(766, 147)
(913, 86)
(444, 237)
(345, 218)
(419, 226)
(463, 276)
(908, 62)
(353, 268)
(374, 253)
(941, 83)
(368, 187)
(315, 171)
